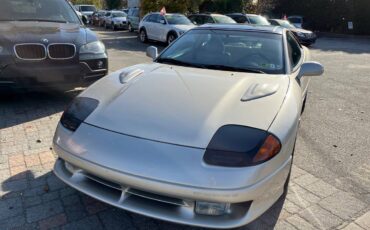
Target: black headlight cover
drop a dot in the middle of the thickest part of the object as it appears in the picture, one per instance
(235, 146)
(77, 112)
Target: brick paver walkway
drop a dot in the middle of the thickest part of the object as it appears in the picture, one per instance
(31, 197)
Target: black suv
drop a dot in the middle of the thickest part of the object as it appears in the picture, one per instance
(43, 43)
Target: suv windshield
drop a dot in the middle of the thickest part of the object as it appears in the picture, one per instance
(258, 20)
(37, 10)
(227, 50)
(286, 24)
(176, 19)
(118, 14)
(88, 8)
(223, 19)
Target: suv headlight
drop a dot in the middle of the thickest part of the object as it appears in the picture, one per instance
(93, 48)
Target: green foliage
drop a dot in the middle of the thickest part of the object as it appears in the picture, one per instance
(97, 3)
(174, 6)
(113, 4)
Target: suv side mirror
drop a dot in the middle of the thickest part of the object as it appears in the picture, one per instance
(311, 69)
(152, 52)
(162, 21)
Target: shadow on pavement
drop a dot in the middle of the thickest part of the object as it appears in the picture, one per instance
(347, 45)
(18, 107)
(37, 199)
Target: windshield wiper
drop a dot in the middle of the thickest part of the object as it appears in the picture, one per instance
(40, 20)
(177, 62)
(231, 68)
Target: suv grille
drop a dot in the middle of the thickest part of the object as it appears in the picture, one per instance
(30, 51)
(61, 51)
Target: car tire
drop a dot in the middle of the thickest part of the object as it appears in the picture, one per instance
(113, 27)
(143, 36)
(171, 37)
(106, 26)
(130, 28)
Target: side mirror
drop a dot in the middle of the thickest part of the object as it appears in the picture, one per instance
(84, 20)
(162, 22)
(311, 69)
(152, 52)
(194, 22)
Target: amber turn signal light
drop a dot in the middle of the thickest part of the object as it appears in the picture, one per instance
(268, 150)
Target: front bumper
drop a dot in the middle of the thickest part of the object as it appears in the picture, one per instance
(113, 186)
(121, 25)
(52, 73)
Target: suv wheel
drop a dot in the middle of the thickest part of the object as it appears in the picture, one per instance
(171, 37)
(130, 28)
(143, 36)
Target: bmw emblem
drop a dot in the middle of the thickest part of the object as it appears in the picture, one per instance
(45, 40)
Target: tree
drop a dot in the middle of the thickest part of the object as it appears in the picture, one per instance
(97, 3)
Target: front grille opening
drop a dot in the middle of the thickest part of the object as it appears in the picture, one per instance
(30, 51)
(61, 51)
(135, 193)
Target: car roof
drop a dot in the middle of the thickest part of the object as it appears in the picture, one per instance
(204, 14)
(243, 27)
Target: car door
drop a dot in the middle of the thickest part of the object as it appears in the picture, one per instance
(161, 29)
(149, 25)
(297, 57)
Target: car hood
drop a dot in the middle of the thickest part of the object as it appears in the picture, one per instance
(181, 105)
(183, 27)
(298, 30)
(34, 32)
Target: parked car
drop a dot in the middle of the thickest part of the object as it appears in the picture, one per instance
(133, 19)
(116, 20)
(252, 19)
(124, 10)
(163, 28)
(97, 16)
(297, 21)
(86, 10)
(305, 37)
(200, 19)
(203, 136)
(47, 45)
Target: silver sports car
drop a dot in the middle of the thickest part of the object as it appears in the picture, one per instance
(202, 136)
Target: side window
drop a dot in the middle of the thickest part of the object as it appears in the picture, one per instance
(274, 23)
(198, 20)
(208, 19)
(154, 18)
(159, 18)
(240, 19)
(136, 13)
(294, 50)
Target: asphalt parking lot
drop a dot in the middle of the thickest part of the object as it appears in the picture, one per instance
(330, 184)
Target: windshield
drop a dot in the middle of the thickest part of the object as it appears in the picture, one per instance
(286, 24)
(227, 50)
(118, 14)
(175, 19)
(37, 10)
(295, 20)
(258, 20)
(88, 8)
(223, 19)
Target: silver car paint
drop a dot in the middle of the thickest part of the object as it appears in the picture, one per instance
(190, 111)
(139, 158)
